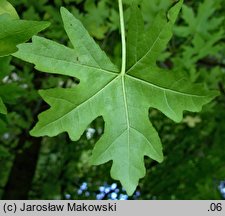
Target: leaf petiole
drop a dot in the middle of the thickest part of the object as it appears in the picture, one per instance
(122, 27)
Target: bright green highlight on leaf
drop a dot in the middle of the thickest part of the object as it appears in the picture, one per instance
(123, 97)
(15, 31)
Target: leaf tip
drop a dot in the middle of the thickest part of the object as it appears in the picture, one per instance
(160, 159)
(63, 11)
(130, 188)
(214, 94)
(41, 92)
(36, 132)
(174, 11)
(33, 133)
(46, 24)
(4, 111)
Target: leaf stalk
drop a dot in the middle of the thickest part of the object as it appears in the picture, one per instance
(122, 27)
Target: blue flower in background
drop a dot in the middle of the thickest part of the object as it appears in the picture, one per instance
(222, 188)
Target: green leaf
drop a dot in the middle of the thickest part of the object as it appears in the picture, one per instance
(3, 152)
(16, 32)
(151, 8)
(10, 92)
(131, 2)
(95, 18)
(3, 109)
(5, 67)
(203, 22)
(122, 98)
(13, 32)
(6, 7)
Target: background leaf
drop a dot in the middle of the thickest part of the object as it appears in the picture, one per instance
(16, 32)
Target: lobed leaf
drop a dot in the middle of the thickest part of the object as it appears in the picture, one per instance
(122, 99)
(202, 22)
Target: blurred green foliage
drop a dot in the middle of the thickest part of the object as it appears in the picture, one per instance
(194, 149)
